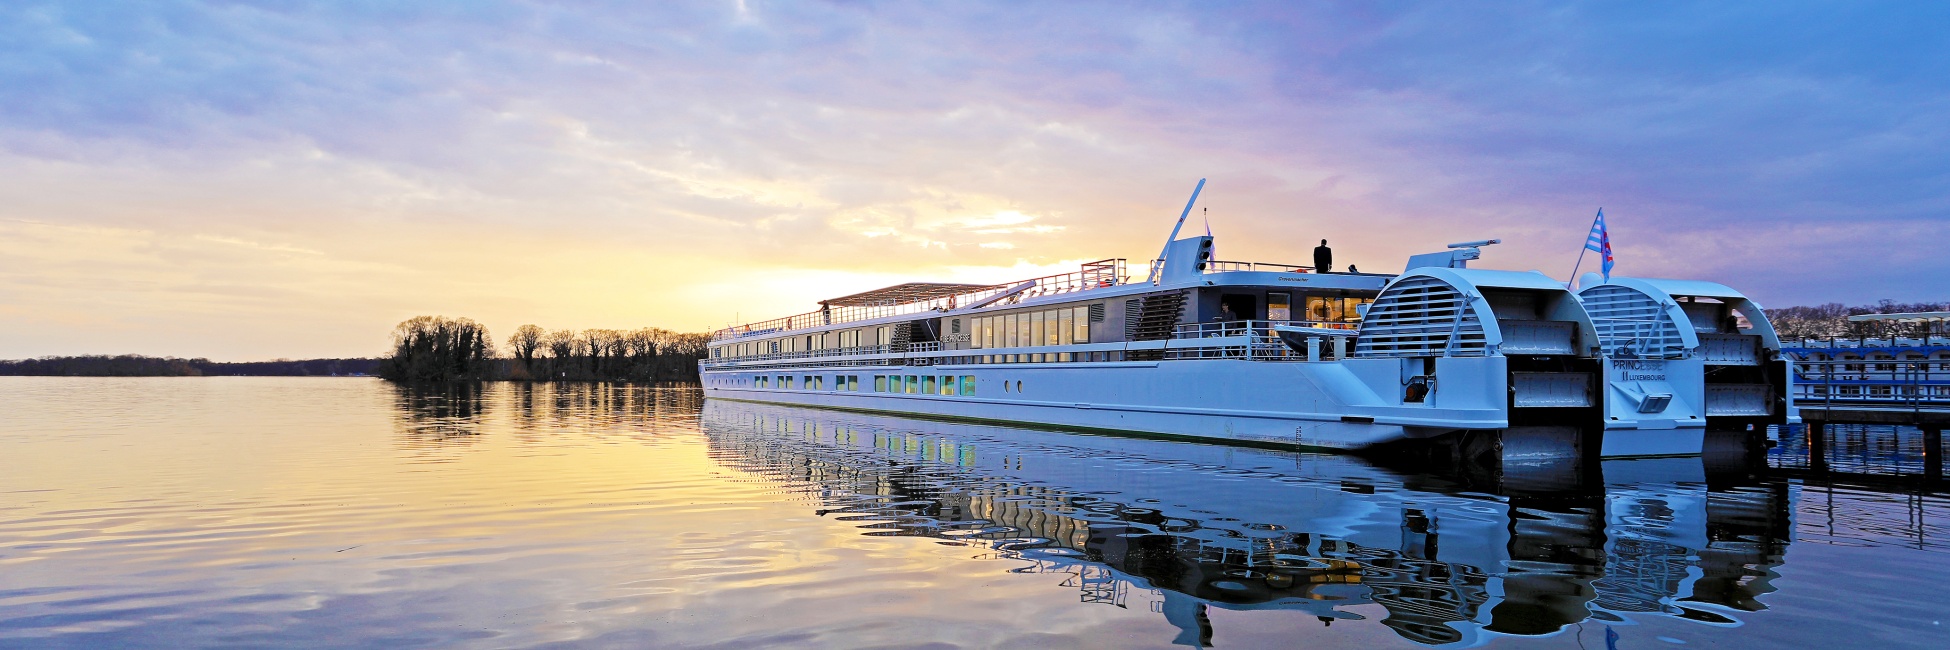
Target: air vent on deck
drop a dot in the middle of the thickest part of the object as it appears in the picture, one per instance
(1420, 317)
(1632, 324)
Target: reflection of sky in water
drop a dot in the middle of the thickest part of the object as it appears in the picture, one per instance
(343, 512)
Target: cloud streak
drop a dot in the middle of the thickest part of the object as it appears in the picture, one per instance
(593, 164)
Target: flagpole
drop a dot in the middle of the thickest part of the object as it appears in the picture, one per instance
(1582, 250)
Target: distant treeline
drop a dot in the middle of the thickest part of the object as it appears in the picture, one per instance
(441, 349)
(1831, 320)
(131, 365)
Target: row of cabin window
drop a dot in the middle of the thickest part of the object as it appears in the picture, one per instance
(882, 335)
(911, 384)
(808, 382)
(925, 384)
(1065, 326)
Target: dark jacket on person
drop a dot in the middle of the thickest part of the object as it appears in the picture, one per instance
(1323, 259)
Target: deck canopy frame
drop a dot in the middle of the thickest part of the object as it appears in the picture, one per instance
(917, 297)
(901, 294)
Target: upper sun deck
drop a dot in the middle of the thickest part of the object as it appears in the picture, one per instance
(922, 297)
(1106, 278)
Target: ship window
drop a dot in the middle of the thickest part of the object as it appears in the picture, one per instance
(1018, 385)
(1068, 323)
(785, 382)
(1351, 308)
(1006, 334)
(1279, 306)
(927, 385)
(1324, 310)
(880, 383)
(1081, 333)
(1036, 328)
(913, 384)
(1005, 387)
(883, 335)
(947, 384)
(853, 382)
(967, 385)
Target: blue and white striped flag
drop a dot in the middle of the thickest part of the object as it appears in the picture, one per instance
(1599, 241)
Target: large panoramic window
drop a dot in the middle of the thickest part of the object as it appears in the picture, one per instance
(1066, 326)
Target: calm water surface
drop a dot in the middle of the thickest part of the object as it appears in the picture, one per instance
(344, 512)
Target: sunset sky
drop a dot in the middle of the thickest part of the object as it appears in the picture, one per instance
(241, 180)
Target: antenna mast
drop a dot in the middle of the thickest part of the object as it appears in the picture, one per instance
(1157, 266)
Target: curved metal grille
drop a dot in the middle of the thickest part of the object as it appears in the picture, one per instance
(1421, 317)
(1632, 324)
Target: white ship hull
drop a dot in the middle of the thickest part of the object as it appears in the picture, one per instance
(1299, 404)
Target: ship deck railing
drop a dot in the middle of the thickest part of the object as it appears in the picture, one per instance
(1101, 274)
(1925, 346)
(1218, 266)
(1252, 340)
(1900, 383)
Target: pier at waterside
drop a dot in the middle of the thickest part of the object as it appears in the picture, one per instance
(1904, 382)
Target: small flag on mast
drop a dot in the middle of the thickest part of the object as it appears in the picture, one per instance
(1206, 212)
(1599, 241)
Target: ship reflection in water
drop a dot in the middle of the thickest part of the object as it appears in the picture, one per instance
(1452, 557)
(297, 512)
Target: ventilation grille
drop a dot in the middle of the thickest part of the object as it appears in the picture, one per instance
(1420, 317)
(1632, 324)
(1097, 313)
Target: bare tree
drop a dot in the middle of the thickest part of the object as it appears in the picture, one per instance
(437, 349)
(525, 341)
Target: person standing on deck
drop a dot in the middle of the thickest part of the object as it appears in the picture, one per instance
(1323, 258)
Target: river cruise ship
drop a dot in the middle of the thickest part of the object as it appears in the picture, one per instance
(1199, 348)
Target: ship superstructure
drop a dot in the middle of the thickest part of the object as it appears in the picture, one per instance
(1279, 353)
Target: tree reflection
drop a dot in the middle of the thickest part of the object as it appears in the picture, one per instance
(433, 416)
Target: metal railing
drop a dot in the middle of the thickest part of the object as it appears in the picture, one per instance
(1895, 384)
(1253, 340)
(864, 350)
(1868, 342)
(1218, 266)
